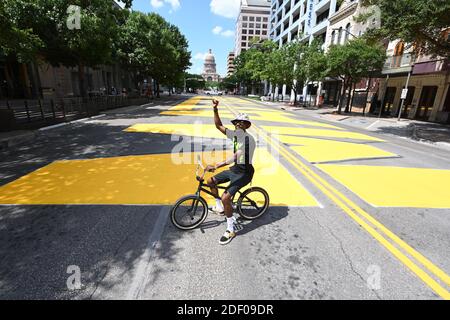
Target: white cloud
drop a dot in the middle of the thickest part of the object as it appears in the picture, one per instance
(225, 8)
(228, 33)
(225, 33)
(217, 30)
(156, 3)
(175, 4)
(200, 56)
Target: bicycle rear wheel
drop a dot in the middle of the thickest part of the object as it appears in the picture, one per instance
(253, 203)
(189, 212)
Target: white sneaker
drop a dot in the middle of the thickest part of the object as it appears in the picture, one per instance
(218, 211)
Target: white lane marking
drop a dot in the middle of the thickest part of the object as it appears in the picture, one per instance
(144, 267)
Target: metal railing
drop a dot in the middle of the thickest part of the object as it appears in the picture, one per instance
(395, 62)
(38, 113)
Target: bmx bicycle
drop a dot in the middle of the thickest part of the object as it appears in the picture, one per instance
(192, 210)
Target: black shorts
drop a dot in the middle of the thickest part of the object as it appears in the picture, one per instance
(237, 180)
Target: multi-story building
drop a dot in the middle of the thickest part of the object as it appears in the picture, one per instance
(230, 64)
(252, 24)
(301, 20)
(428, 95)
(343, 26)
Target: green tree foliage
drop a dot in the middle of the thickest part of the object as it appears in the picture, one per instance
(154, 47)
(194, 81)
(353, 61)
(421, 23)
(229, 83)
(146, 44)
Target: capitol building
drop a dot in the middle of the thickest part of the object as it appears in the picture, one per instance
(209, 68)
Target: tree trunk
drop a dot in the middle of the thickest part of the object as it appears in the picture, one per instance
(367, 95)
(353, 97)
(349, 96)
(342, 97)
(81, 79)
(157, 89)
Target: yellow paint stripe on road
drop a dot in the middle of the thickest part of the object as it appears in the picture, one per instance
(320, 133)
(197, 113)
(347, 206)
(198, 130)
(141, 180)
(318, 150)
(351, 209)
(394, 186)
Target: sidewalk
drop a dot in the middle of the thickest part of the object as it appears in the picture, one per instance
(420, 131)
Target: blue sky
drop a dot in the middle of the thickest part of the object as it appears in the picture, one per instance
(207, 24)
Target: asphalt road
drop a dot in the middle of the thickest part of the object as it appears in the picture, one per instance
(345, 245)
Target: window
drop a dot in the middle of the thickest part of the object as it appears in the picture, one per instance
(333, 35)
(245, 25)
(258, 19)
(347, 32)
(265, 19)
(245, 18)
(258, 25)
(323, 16)
(257, 32)
(264, 33)
(243, 44)
(399, 48)
(244, 31)
(251, 25)
(264, 26)
(250, 32)
(252, 18)
(244, 38)
(340, 36)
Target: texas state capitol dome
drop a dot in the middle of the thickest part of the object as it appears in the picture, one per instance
(209, 68)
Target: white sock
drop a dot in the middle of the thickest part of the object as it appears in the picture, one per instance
(219, 205)
(230, 224)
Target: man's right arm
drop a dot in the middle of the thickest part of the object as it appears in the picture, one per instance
(217, 120)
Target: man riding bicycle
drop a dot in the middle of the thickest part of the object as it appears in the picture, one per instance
(239, 175)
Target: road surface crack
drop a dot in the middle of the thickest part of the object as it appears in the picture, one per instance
(344, 252)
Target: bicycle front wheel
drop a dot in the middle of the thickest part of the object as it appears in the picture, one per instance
(189, 212)
(253, 203)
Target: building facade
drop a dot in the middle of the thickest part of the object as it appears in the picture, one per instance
(209, 68)
(300, 20)
(342, 27)
(252, 24)
(230, 64)
(428, 95)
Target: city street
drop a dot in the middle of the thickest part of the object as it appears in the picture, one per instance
(354, 214)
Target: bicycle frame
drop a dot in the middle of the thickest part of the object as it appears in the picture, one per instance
(202, 183)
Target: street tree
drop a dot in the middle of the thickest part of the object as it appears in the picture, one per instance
(424, 24)
(313, 64)
(45, 24)
(151, 46)
(353, 61)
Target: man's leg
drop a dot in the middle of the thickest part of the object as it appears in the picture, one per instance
(212, 183)
(227, 205)
(213, 187)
